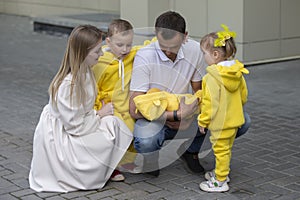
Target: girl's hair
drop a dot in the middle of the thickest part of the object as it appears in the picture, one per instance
(119, 26)
(208, 43)
(82, 39)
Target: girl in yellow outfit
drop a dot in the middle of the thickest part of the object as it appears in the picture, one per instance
(113, 75)
(224, 92)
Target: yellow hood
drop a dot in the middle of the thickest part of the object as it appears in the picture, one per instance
(229, 76)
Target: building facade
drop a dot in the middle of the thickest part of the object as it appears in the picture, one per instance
(267, 30)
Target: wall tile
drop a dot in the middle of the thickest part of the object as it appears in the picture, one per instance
(290, 47)
(229, 12)
(290, 16)
(109, 6)
(261, 20)
(261, 51)
(195, 14)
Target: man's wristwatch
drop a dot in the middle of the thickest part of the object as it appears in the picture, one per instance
(175, 116)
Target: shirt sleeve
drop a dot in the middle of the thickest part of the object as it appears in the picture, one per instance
(140, 78)
(200, 67)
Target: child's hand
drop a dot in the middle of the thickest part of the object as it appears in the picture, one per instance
(202, 130)
(107, 109)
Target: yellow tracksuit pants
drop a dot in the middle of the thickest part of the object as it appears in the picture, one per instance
(222, 142)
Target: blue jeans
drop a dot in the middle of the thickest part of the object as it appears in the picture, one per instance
(149, 136)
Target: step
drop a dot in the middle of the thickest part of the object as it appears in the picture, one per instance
(64, 24)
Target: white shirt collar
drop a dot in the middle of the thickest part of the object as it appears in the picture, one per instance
(227, 63)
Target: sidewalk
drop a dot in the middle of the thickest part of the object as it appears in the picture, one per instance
(265, 162)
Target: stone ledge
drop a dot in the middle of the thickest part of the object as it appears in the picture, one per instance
(65, 24)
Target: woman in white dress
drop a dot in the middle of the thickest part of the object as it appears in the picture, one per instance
(76, 147)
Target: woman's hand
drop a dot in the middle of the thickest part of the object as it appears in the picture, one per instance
(107, 109)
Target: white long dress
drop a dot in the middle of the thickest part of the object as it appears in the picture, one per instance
(73, 149)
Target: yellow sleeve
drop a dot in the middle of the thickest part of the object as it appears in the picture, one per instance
(98, 102)
(244, 91)
(210, 101)
(98, 70)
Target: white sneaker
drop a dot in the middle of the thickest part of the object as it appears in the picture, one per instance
(214, 185)
(211, 174)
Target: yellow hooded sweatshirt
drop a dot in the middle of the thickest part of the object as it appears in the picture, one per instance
(224, 92)
(113, 78)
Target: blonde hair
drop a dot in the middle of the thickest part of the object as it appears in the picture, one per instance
(82, 39)
(208, 43)
(119, 26)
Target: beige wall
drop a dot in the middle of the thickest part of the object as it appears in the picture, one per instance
(267, 30)
(35, 8)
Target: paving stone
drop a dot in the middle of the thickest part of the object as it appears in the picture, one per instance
(85, 198)
(183, 195)
(146, 187)
(8, 197)
(163, 178)
(265, 161)
(275, 189)
(103, 193)
(44, 195)
(264, 196)
(77, 194)
(31, 197)
(294, 196)
(131, 195)
(160, 195)
(172, 187)
(55, 198)
(23, 192)
(121, 186)
(284, 166)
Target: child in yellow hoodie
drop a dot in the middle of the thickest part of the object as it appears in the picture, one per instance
(113, 75)
(224, 92)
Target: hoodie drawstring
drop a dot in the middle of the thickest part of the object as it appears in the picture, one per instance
(121, 72)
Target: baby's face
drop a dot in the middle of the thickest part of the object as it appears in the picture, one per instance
(120, 44)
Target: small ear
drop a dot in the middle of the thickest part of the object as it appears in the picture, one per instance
(185, 37)
(216, 54)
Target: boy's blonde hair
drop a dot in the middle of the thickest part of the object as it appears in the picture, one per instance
(82, 39)
(119, 26)
(208, 43)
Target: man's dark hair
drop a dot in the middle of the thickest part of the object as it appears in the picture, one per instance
(169, 23)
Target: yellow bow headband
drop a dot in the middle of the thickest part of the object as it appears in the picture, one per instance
(223, 36)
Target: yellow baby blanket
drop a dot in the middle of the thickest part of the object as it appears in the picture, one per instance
(155, 102)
